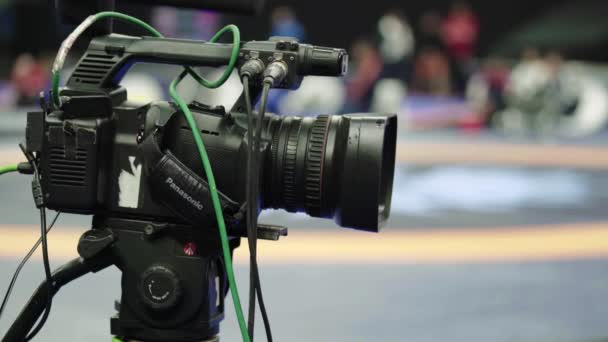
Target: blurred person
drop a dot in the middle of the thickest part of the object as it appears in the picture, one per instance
(429, 31)
(389, 96)
(396, 49)
(432, 73)
(524, 93)
(366, 68)
(460, 34)
(528, 80)
(460, 31)
(432, 58)
(29, 77)
(485, 90)
(286, 24)
(396, 45)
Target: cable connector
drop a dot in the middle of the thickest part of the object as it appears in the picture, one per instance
(25, 168)
(37, 193)
(275, 73)
(252, 68)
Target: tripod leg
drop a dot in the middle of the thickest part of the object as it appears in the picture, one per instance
(34, 308)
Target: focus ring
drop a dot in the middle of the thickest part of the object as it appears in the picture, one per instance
(276, 166)
(289, 166)
(314, 165)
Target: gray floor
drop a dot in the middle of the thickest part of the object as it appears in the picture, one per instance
(499, 302)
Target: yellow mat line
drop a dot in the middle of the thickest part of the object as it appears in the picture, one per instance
(473, 153)
(537, 243)
(488, 153)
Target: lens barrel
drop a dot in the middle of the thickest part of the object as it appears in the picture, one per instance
(332, 166)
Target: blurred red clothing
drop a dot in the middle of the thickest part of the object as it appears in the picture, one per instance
(367, 71)
(29, 77)
(460, 32)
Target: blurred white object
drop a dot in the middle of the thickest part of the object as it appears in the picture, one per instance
(570, 101)
(142, 87)
(388, 96)
(591, 114)
(489, 190)
(316, 95)
(527, 79)
(397, 38)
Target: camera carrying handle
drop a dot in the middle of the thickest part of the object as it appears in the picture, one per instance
(108, 58)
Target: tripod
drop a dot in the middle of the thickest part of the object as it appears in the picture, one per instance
(173, 279)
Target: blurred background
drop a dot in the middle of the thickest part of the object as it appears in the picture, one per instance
(499, 228)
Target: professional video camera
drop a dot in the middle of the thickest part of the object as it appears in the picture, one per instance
(136, 169)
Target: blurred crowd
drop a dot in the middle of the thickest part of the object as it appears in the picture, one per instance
(438, 61)
(434, 59)
(401, 65)
(396, 60)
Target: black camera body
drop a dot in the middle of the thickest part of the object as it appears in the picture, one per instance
(92, 158)
(135, 167)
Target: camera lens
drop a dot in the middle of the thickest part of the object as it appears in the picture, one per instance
(332, 166)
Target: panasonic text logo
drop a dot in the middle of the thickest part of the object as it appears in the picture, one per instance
(183, 194)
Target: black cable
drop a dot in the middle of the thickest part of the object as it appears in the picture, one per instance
(49, 277)
(38, 199)
(258, 139)
(27, 257)
(255, 287)
(250, 209)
